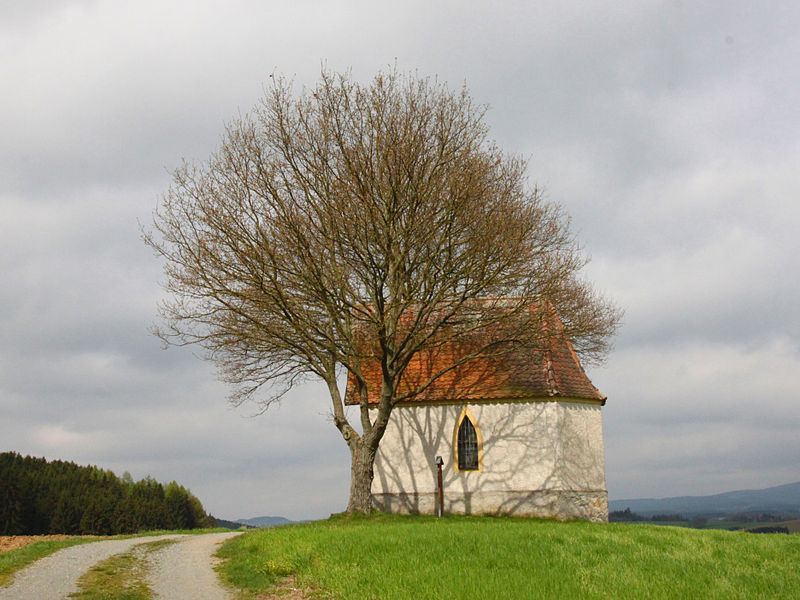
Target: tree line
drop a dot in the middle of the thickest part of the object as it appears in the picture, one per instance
(39, 496)
(696, 521)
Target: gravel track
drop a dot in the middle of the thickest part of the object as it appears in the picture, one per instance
(186, 570)
(55, 577)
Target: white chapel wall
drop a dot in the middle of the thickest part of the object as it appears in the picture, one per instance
(537, 458)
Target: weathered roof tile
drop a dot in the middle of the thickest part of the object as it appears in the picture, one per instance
(522, 374)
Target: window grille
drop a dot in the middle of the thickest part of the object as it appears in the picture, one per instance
(467, 446)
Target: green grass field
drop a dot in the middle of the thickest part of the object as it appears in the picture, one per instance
(388, 558)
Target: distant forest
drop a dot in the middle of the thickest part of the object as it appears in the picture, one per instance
(37, 497)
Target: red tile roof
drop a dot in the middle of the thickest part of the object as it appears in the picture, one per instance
(518, 375)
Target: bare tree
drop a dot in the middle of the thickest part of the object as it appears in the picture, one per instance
(355, 223)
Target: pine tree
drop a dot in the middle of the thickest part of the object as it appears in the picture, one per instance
(66, 517)
(11, 517)
(37, 496)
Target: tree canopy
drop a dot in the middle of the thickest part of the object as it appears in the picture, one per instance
(354, 223)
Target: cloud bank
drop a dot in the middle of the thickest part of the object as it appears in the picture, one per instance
(668, 130)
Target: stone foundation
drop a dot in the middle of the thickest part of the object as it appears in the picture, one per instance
(559, 504)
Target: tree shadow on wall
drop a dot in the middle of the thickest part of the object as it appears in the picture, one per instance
(525, 454)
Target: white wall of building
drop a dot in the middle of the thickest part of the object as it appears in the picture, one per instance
(535, 456)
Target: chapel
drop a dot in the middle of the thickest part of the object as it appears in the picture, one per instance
(518, 436)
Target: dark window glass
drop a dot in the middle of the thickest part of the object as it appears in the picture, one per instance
(467, 446)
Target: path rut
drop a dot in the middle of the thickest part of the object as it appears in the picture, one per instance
(185, 571)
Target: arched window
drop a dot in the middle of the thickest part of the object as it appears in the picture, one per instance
(467, 446)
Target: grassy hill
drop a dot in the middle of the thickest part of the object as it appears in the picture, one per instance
(461, 557)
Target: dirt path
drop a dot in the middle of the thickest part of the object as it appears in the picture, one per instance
(55, 577)
(186, 570)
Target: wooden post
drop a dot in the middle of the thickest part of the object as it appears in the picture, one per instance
(440, 507)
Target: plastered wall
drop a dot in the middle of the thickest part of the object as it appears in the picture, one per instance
(544, 458)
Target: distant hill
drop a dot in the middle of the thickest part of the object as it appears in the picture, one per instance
(229, 524)
(264, 521)
(779, 499)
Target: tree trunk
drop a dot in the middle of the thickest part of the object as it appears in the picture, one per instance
(361, 475)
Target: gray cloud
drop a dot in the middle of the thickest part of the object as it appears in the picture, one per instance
(667, 129)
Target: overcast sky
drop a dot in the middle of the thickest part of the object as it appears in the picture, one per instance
(670, 131)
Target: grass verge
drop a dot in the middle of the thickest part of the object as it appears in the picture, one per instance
(120, 577)
(390, 558)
